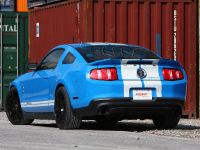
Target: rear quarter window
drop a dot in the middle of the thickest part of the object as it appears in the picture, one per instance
(69, 58)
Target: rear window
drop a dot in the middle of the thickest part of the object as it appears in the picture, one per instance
(95, 53)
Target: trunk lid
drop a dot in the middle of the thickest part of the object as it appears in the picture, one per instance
(132, 69)
(138, 69)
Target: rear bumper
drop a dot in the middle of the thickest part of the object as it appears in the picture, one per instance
(127, 108)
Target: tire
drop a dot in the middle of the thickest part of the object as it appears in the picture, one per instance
(65, 117)
(13, 109)
(167, 122)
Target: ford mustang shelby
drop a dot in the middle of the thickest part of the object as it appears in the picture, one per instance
(105, 82)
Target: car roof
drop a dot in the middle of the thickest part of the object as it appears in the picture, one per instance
(80, 45)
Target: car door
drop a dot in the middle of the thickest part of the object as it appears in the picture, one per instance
(37, 88)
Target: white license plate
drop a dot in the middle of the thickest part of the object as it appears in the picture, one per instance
(142, 94)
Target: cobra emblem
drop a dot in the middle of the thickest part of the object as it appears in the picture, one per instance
(141, 73)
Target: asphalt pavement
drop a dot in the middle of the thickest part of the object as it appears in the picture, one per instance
(126, 135)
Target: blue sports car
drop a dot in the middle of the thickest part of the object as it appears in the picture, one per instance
(106, 82)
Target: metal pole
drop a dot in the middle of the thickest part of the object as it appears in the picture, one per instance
(198, 44)
(17, 21)
(1, 69)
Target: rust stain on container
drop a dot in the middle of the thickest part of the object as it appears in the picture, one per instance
(165, 26)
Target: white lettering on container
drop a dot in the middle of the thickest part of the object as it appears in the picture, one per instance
(9, 28)
(37, 29)
(175, 34)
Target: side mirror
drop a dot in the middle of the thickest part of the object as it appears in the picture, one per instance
(32, 66)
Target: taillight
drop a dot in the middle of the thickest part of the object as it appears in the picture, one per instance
(172, 74)
(104, 74)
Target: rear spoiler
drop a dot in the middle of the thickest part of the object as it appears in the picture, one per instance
(140, 61)
(124, 61)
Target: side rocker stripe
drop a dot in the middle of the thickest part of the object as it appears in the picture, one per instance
(44, 103)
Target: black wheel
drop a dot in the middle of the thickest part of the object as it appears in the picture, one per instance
(167, 122)
(65, 118)
(13, 109)
(107, 121)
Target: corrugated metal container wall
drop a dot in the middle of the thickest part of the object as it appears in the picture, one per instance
(36, 3)
(198, 96)
(55, 25)
(166, 26)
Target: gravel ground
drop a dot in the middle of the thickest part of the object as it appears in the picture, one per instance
(187, 128)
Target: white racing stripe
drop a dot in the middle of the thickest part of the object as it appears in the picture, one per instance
(129, 77)
(131, 80)
(154, 84)
(38, 103)
(153, 79)
(131, 84)
(129, 72)
(152, 72)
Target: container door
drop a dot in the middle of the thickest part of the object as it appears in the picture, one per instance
(13, 49)
(9, 51)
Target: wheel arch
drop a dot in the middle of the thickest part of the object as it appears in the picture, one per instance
(60, 84)
(16, 85)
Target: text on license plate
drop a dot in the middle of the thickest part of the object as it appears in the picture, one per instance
(142, 94)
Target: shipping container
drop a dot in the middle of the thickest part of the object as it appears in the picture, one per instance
(165, 26)
(13, 49)
(36, 3)
(7, 5)
(22, 5)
